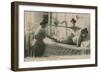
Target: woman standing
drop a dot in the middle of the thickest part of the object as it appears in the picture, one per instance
(39, 45)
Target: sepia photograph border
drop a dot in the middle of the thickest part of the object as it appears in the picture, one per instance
(15, 35)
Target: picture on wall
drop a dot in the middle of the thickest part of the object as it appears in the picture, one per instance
(52, 36)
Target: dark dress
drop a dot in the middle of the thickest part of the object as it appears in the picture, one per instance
(39, 45)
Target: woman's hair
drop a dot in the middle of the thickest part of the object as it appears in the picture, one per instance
(43, 23)
(84, 30)
(73, 20)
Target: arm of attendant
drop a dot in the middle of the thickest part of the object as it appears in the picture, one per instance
(52, 38)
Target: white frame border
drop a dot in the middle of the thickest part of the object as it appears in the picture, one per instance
(34, 64)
